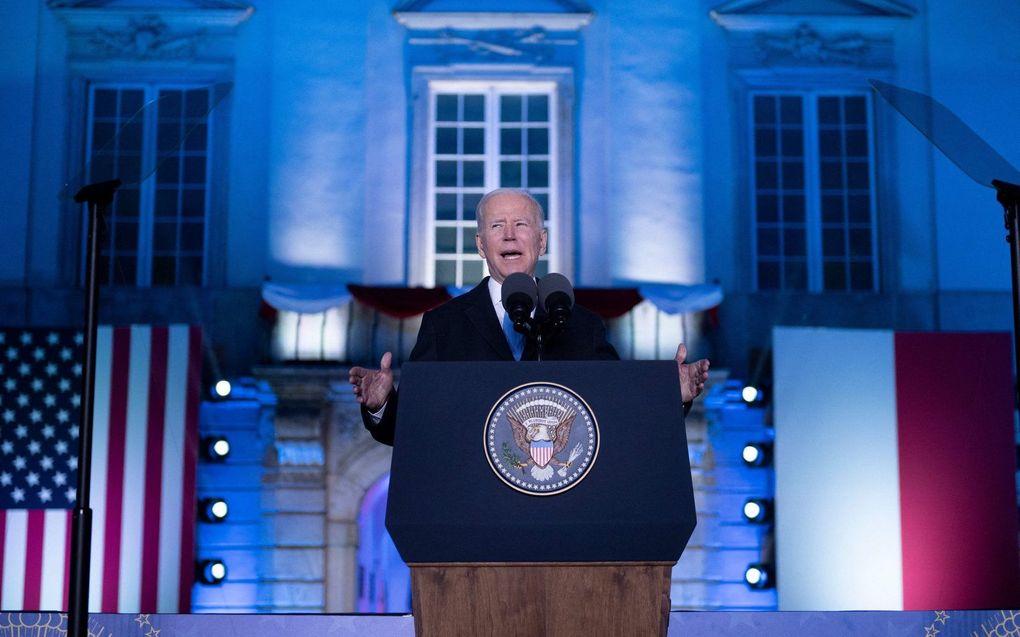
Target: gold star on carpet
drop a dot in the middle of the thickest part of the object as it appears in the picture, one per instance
(941, 616)
(153, 632)
(143, 620)
(930, 631)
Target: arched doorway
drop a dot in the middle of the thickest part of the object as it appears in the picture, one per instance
(384, 581)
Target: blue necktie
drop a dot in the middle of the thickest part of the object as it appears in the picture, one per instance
(514, 338)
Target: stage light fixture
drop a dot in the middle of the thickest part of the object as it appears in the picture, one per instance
(215, 448)
(213, 509)
(759, 576)
(750, 393)
(757, 454)
(758, 510)
(222, 388)
(212, 572)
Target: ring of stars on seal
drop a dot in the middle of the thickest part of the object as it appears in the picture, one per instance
(541, 438)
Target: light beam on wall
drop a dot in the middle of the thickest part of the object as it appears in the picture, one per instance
(317, 141)
(656, 134)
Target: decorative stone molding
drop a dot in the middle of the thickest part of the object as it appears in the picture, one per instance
(769, 15)
(147, 37)
(804, 44)
(88, 15)
(487, 15)
(492, 20)
(159, 31)
(533, 43)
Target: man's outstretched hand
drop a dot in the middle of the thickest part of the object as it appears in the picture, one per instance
(373, 386)
(692, 375)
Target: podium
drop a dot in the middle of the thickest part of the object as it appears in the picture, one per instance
(537, 498)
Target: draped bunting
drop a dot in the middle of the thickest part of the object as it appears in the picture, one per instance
(681, 299)
(304, 298)
(401, 302)
(609, 303)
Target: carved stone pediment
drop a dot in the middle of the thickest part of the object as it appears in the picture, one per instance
(149, 4)
(804, 45)
(526, 45)
(136, 30)
(465, 15)
(759, 15)
(145, 37)
(811, 33)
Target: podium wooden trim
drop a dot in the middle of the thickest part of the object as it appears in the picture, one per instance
(548, 598)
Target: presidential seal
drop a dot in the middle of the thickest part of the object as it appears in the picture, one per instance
(541, 438)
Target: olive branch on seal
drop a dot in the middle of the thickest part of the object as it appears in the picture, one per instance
(512, 458)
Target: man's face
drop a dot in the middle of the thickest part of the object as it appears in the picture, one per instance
(511, 237)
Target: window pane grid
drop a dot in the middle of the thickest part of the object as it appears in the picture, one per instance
(459, 151)
(117, 155)
(813, 228)
(845, 168)
(781, 238)
(178, 245)
(156, 228)
(482, 139)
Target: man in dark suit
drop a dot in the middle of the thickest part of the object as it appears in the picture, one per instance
(511, 238)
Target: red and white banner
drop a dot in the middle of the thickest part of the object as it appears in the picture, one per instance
(895, 470)
(148, 383)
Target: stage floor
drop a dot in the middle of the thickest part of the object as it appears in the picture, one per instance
(689, 624)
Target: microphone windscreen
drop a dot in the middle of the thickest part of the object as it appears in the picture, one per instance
(522, 287)
(552, 284)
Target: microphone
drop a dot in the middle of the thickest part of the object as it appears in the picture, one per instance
(520, 293)
(556, 296)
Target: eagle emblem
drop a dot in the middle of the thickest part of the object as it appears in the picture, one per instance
(541, 438)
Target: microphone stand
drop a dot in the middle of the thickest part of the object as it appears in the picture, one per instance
(553, 322)
(527, 326)
(98, 196)
(556, 298)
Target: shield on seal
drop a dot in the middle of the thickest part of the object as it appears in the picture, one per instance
(541, 452)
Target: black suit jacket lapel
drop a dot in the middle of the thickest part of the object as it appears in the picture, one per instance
(482, 316)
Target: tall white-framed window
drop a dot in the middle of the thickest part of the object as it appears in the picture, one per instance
(813, 191)
(155, 138)
(483, 135)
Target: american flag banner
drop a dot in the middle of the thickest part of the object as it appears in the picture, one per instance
(148, 383)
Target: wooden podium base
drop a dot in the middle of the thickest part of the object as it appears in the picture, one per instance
(532, 599)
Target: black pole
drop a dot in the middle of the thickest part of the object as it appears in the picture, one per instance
(98, 196)
(1009, 197)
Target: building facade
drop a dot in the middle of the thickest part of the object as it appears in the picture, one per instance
(310, 145)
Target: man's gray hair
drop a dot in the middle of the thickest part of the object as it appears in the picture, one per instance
(507, 191)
